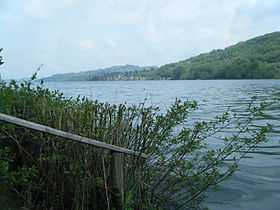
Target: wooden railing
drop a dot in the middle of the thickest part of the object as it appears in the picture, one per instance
(117, 152)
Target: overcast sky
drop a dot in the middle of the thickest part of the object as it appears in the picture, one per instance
(76, 35)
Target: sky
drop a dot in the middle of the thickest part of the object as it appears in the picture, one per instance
(77, 35)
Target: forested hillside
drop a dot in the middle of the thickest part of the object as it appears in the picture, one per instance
(112, 73)
(258, 58)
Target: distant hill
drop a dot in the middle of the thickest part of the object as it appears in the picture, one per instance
(258, 58)
(112, 73)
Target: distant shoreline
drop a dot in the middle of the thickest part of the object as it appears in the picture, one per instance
(257, 58)
(149, 80)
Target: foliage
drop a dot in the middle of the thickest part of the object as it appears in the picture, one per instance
(47, 172)
(125, 72)
(257, 58)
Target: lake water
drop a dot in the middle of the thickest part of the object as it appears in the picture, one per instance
(256, 186)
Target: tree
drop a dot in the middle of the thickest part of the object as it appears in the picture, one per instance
(1, 59)
(177, 73)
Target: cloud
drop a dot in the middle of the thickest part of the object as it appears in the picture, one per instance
(46, 8)
(116, 32)
(111, 43)
(87, 44)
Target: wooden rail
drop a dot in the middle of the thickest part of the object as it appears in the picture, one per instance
(66, 135)
(117, 173)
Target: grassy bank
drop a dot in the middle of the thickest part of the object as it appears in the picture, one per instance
(46, 172)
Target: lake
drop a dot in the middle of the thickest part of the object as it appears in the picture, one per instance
(256, 186)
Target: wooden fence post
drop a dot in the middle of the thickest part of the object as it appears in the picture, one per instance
(118, 180)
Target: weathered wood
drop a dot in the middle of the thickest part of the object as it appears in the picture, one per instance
(66, 135)
(118, 180)
(268, 147)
